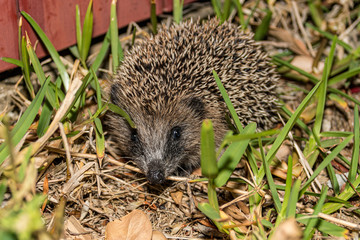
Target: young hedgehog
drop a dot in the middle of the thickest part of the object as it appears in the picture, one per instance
(167, 87)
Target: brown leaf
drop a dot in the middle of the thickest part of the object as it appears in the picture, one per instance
(134, 226)
(306, 63)
(177, 197)
(73, 226)
(287, 230)
(295, 45)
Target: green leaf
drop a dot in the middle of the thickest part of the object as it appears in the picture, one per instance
(321, 96)
(231, 157)
(240, 13)
(25, 121)
(325, 226)
(209, 166)
(270, 179)
(178, 10)
(288, 187)
(356, 147)
(291, 207)
(86, 34)
(102, 53)
(122, 113)
(263, 28)
(312, 222)
(114, 36)
(325, 162)
(3, 187)
(153, 17)
(217, 9)
(78, 27)
(288, 126)
(14, 61)
(227, 100)
(100, 139)
(26, 68)
(348, 74)
(51, 49)
(44, 120)
(50, 95)
(346, 46)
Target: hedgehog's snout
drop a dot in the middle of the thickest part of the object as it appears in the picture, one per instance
(155, 173)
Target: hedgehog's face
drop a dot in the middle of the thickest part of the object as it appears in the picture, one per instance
(165, 142)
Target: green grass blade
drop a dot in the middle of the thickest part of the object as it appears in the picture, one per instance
(78, 27)
(356, 147)
(211, 213)
(50, 95)
(51, 49)
(311, 77)
(240, 13)
(331, 207)
(325, 162)
(25, 121)
(26, 67)
(209, 166)
(231, 157)
(14, 61)
(263, 28)
(100, 139)
(336, 91)
(323, 90)
(288, 126)
(325, 227)
(291, 207)
(97, 88)
(114, 36)
(44, 120)
(217, 9)
(86, 34)
(333, 179)
(315, 12)
(251, 14)
(227, 8)
(288, 186)
(153, 17)
(85, 82)
(312, 222)
(229, 105)
(122, 113)
(102, 53)
(243, 136)
(270, 179)
(331, 37)
(348, 74)
(3, 187)
(178, 10)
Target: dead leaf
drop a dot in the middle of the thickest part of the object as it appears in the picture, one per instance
(287, 230)
(177, 197)
(295, 45)
(156, 235)
(134, 226)
(309, 113)
(306, 63)
(73, 227)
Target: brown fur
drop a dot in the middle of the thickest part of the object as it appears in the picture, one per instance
(166, 86)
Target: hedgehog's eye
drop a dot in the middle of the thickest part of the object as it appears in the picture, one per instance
(176, 133)
(134, 135)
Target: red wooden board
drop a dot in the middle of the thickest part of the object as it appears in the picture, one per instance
(57, 19)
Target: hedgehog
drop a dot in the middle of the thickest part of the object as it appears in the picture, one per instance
(167, 87)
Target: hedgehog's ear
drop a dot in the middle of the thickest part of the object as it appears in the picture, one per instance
(197, 105)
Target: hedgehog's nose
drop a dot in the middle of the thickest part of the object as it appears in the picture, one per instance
(155, 175)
